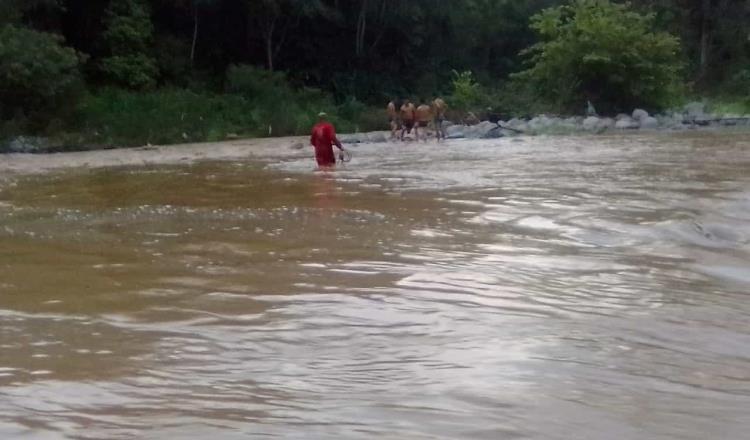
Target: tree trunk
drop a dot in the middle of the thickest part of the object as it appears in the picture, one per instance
(269, 47)
(361, 29)
(195, 35)
(705, 38)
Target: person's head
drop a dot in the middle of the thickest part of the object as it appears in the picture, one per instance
(322, 116)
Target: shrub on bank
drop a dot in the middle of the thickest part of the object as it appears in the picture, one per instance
(39, 79)
(605, 52)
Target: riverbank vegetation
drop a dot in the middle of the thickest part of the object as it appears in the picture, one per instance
(129, 72)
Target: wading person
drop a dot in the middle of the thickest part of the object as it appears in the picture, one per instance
(408, 113)
(424, 115)
(323, 138)
(393, 118)
(438, 112)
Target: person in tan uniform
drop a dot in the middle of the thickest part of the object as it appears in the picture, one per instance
(438, 112)
(408, 117)
(424, 115)
(393, 118)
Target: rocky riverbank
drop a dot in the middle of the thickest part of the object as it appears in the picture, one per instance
(692, 116)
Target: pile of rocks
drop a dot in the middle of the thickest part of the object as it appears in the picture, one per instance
(25, 144)
(693, 115)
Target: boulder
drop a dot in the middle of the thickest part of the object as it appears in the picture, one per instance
(626, 123)
(591, 123)
(355, 138)
(622, 116)
(649, 123)
(695, 110)
(455, 132)
(377, 137)
(480, 130)
(495, 133)
(26, 144)
(671, 121)
(640, 114)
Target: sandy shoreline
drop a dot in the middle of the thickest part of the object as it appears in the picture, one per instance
(259, 149)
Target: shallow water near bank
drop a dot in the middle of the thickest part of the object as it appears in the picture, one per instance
(535, 288)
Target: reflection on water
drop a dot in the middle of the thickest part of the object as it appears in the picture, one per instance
(544, 288)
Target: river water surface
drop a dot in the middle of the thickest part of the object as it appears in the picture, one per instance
(541, 288)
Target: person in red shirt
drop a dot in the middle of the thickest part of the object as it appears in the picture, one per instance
(323, 138)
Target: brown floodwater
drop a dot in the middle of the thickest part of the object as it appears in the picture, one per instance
(539, 288)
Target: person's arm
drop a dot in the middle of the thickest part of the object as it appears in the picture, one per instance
(335, 139)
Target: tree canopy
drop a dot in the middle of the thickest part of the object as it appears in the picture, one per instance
(597, 50)
(356, 53)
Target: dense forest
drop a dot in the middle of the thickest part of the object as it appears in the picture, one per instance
(134, 71)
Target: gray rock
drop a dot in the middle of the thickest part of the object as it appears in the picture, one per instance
(377, 137)
(495, 133)
(455, 132)
(591, 123)
(479, 131)
(622, 116)
(26, 144)
(539, 123)
(649, 123)
(355, 138)
(640, 114)
(626, 123)
(695, 110)
(671, 121)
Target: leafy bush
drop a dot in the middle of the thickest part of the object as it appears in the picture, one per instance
(467, 93)
(604, 52)
(282, 109)
(128, 35)
(738, 83)
(39, 77)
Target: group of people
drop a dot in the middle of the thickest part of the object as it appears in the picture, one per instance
(408, 117)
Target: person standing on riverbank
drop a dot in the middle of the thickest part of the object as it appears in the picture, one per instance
(323, 138)
(438, 112)
(408, 113)
(424, 115)
(393, 119)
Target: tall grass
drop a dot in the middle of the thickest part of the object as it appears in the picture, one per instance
(114, 117)
(255, 105)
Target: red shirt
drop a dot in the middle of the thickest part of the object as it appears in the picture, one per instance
(323, 138)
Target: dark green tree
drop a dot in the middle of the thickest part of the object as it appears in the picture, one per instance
(605, 52)
(39, 77)
(128, 36)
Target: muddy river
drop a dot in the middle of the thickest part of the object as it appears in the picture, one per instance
(538, 288)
